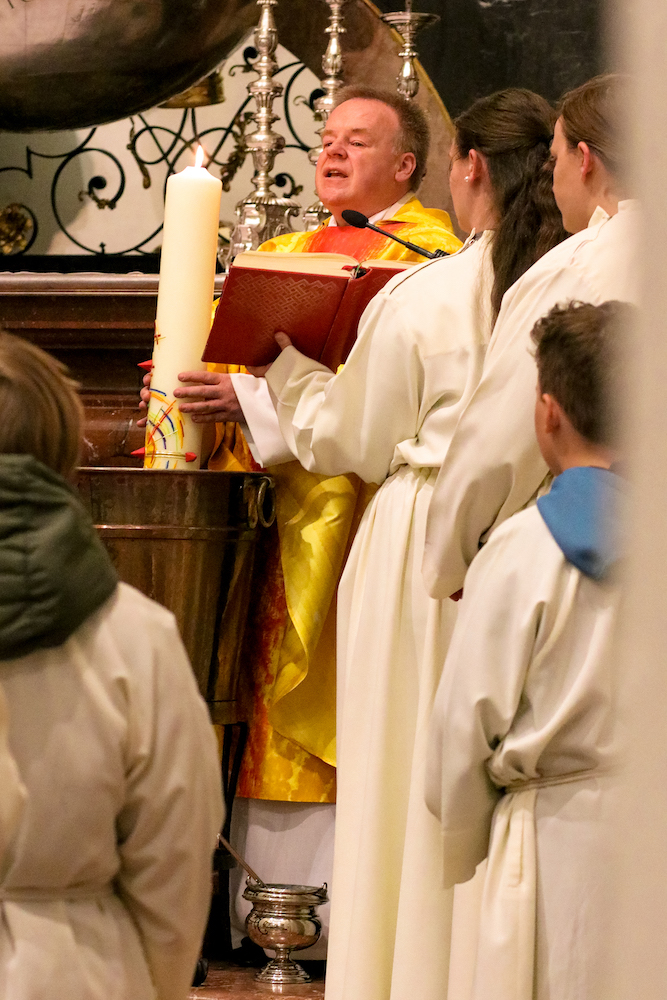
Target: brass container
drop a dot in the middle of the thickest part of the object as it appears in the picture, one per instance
(284, 919)
(187, 539)
(201, 94)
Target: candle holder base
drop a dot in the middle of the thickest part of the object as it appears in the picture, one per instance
(259, 220)
(314, 216)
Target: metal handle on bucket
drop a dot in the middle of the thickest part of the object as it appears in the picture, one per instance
(266, 495)
(260, 499)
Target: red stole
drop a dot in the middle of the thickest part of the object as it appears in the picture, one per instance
(362, 244)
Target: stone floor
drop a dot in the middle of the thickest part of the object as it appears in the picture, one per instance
(229, 982)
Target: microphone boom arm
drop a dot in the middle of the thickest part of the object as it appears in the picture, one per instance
(360, 221)
(432, 254)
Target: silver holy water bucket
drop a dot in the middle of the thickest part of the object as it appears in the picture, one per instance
(284, 919)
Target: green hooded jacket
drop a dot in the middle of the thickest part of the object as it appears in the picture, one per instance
(54, 570)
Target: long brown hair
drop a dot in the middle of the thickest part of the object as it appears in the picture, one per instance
(513, 129)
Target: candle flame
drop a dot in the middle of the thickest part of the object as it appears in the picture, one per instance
(199, 158)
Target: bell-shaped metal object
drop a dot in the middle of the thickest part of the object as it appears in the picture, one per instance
(66, 65)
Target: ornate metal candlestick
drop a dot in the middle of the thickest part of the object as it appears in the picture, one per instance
(263, 215)
(332, 65)
(408, 23)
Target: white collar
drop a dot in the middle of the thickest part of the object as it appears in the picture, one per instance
(600, 215)
(386, 213)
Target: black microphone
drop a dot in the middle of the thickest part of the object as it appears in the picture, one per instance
(360, 221)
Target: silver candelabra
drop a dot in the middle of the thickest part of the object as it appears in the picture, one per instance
(332, 66)
(408, 24)
(262, 215)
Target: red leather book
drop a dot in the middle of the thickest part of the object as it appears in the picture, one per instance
(317, 299)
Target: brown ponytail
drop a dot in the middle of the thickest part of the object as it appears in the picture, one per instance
(513, 129)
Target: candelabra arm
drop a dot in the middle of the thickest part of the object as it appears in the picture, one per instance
(262, 215)
(332, 82)
(408, 23)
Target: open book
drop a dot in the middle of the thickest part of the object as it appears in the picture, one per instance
(315, 298)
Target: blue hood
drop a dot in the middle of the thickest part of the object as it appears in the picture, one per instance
(583, 512)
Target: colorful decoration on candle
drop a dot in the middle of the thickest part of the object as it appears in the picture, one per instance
(188, 455)
(165, 431)
(185, 296)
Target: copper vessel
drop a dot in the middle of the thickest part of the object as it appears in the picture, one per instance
(187, 539)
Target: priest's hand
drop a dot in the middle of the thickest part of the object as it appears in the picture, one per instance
(259, 371)
(212, 397)
(145, 399)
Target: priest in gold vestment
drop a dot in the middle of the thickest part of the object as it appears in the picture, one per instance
(374, 152)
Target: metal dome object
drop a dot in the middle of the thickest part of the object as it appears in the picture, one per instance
(73, 63)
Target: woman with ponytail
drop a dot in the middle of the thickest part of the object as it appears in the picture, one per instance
(510, 134)
(388, 416)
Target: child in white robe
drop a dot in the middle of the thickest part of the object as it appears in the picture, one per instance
(521, 734)
(104, 892)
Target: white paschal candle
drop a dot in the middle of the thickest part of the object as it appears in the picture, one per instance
(183, 321)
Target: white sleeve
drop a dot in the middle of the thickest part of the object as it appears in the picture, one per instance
(12, 791)
(173, 811)
(493, 466)
(477, 699)
(352, 421)
(260, 426)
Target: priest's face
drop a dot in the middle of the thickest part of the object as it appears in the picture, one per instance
(360, 167)
(568, 182)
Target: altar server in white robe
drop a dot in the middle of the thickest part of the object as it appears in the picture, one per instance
(521, 737)
(493, 467)
(388, 416)
(104, 892)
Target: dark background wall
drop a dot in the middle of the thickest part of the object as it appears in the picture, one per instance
(482, 45)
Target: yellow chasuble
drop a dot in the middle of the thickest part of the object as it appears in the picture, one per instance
(291, 750)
